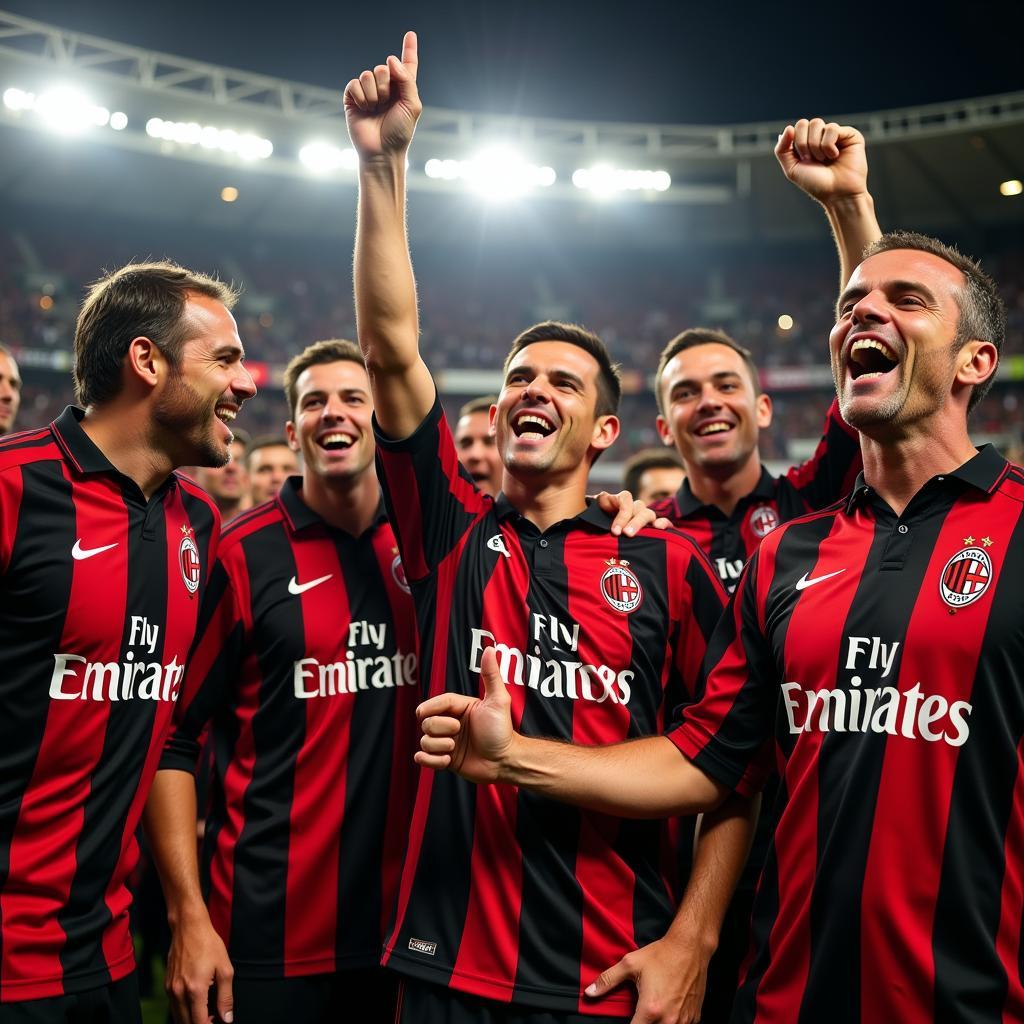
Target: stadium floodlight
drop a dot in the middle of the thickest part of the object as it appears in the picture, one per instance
(605, 180)
(496, 173)
(64, 109)
(323, 157)
(785, 322)
(1014, 187)
(245, 145)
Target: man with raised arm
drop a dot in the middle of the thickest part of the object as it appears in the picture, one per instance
(511, 904)
(876, 648)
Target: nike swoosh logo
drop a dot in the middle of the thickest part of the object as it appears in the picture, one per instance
(294, 587)
(805, 581)
(78, 552)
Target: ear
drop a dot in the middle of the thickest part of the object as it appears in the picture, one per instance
(292, 435)
(975, 363)
(763, 409)
(664, 432)
(606, 430)
(145, 363)
(492, 416)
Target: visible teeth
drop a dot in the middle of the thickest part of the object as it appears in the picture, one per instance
(867, 343)
(528, 418)
(533, 435)
(713, 428)
(226, 414)
(338, 438)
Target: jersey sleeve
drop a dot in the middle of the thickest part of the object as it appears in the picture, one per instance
(213, 667)
(431, 501)
(728, 733)
(831, 471)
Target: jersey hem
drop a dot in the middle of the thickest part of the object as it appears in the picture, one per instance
(573, 1001)
(303, 968)
(46, 988)
(699, 751)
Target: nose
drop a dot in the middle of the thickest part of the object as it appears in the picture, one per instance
(334, 408)
(870, 308)
(243, 386)
(534, 392)
(708, 398)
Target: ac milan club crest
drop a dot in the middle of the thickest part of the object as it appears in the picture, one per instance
(398, 571)
(966, 577)
(620, 587)
(188, 561)
(763, 520)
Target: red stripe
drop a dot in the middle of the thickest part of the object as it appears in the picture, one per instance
(1008, 937)
(408, 511)
(489, 947)
(915, 790)
(606, 881)
(45, 840)
(820, 613)
(321, 771)
(405, 738)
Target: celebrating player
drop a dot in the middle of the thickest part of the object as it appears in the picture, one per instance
(475, 444)
(104, 557)
(875, 646)
(10, 390)
(228, 485)
(510, 905)
(270, 461)
(307, 668)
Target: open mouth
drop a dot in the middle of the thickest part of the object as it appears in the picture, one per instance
(869, 358)
(225, 413)
(338, 441)
(531, 426)
(713, 427)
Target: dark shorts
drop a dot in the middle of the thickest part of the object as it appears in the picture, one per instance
(423, 1003)
(724, 969)
(116, 1003)
(365, 996)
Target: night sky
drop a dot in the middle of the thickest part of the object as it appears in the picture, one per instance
(631, 60)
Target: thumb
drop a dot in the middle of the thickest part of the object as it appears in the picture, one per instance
(225, 998)
(495, 690)
(784, 151)
(608, 980)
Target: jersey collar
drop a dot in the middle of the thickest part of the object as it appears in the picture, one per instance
(591, 515)
(300, 516)
(984, 472)
(689, 504)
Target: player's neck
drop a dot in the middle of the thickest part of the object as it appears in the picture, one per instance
(897, 468)
(726, 486)
(545, 501)
(350, 505)
(125, 439)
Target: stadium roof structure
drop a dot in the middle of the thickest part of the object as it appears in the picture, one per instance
(183, 130)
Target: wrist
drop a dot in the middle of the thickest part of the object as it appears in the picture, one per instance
(187, 913)
(509, 767)
(851, 204)
(384, 165)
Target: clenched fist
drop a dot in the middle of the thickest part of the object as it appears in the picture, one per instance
(827, 160)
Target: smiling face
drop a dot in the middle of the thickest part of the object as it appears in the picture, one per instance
(478, 451)
(269, 466)
(894, 347)
(546, 420)
(711, 411)
(331, 423)
(201, 395)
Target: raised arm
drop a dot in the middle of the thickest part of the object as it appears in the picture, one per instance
(644, 778)
(382, 107)
(829, 162)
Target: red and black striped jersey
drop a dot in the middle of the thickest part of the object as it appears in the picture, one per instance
(729, 540)
(884, 655)
(506, 894)
(99, 598)
(306, 669)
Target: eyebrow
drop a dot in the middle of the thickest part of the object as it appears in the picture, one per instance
(228, 349)
(721, 375)
(891, 286)
(557, 372)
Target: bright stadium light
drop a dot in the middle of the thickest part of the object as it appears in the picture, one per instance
(785, 322)
(1011, 188)
(63, 109)
(245, 145)
(18, 99)
(494, 173)
(605, 180)
(119, 120)
(324, 157)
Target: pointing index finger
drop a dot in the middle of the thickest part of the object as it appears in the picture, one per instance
(410, 53)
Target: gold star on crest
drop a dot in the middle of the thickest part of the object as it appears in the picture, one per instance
(186, 531)
(968, 541)
(987, 541)
(611, 561)
(394, 550)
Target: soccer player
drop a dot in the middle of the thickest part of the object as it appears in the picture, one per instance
(876, 648)
(653, 475)
(475, 444)
(307, 669)
(510, 905)
(10, 390)
(104, 558)
(228, 485)
(270, 461)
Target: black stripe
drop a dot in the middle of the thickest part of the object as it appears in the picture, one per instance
(279, 731)
(368, 775)
(970, 981)
(126, 742)
(36, 585)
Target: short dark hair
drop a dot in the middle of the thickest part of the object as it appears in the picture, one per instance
(645, 459)
(982, 312)
(691, 338)
(266, 441)
(609, 379)
(240, 436)
(138, 300)
(331, 350)
(481, 404)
